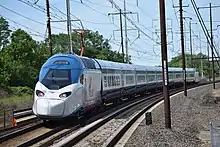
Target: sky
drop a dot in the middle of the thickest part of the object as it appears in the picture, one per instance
(144, 48)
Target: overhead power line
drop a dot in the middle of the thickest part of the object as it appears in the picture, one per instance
(58, 10)
(40, 8)
(138, 28)
(22, 25)
(97, 4)
(28, 18)
(205, 30)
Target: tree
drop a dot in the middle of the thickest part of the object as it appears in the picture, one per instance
(95, 46)
(20, 60)
(4, 33)
(4, 76)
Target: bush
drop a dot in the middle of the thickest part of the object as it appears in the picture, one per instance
(20, 91)
(4, 92)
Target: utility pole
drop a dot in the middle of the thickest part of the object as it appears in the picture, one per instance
(190, 38)
(69, 26)
(126, 35)
(122, 42)
(185, 39)
(211, 39)
(49, 28)
(182, 46)
(208, 61)
(121, 29)
(200, 46)
(165, 65)
(191, 42)
(213, 65)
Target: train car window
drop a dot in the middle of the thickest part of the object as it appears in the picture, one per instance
(178, 75)
(109, 81)
(150, 77)
(57, 79)
(170, 75)
(89, 64)
(81, 78)
(122, 79)
(159, 77)
(118, 80)
(105, 81)
(191, 75)
(140, 78)
(113, 81)
(129, 79)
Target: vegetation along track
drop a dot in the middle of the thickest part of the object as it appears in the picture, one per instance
(108, 130)
(24, 121)
(44, 136)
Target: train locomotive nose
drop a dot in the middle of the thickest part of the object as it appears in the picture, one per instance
(50, 107)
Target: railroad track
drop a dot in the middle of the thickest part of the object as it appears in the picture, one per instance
(24, 115)
(102, 132)
(24, 119)
(74, 134)
(46, 136)
(108, 131)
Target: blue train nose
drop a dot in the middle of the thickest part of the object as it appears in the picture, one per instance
(50, 107)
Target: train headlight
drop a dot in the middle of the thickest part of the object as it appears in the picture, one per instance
(64, 95)
(39, 93)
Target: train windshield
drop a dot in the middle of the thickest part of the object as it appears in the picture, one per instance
(57, 78)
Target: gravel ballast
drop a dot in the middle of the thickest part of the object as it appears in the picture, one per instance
(190, 119)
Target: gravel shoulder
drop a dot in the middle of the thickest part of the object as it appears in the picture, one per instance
(190, 118)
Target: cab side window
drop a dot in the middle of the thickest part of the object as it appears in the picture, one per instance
(81, 78)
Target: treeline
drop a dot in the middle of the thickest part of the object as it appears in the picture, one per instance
(202, 66)
(21, 57)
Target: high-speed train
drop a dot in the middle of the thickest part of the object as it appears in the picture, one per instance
(72, 85)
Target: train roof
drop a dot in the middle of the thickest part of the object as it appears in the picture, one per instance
(140, 67)
(91, 63)
(114, 65)
(57, 60)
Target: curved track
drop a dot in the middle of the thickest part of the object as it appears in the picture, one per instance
(108, 130)
(25, 119)
(39, 135)
(118, 118)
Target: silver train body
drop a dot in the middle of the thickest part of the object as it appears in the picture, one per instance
(70, 85)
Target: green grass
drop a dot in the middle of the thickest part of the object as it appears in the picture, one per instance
(217, 78)
(16, 102)
(16, 97)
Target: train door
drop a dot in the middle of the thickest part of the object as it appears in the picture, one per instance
(92, 87)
